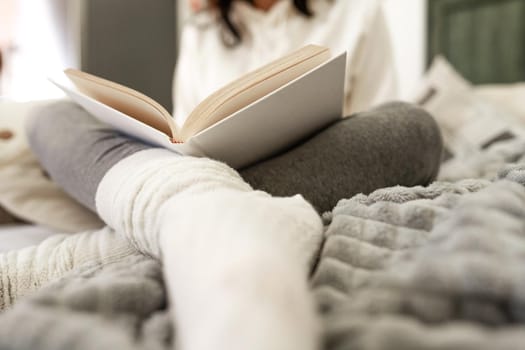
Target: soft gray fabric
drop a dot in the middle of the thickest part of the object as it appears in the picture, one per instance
(426, 269)
(116, 306)
(436, 267)
(484, 163)
(76, 149)
(395, 144)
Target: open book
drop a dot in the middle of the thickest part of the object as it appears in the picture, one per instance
(247, 120)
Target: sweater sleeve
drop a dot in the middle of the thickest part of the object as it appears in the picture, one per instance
(373, 75)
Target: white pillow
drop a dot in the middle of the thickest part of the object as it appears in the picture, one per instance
(510, 96)
(468, 122)
(25, 191)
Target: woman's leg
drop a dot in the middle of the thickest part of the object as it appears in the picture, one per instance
(219, 266)
(185, 211)
(393, 144)
(76, 149)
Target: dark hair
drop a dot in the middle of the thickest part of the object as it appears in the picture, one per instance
(233, 32)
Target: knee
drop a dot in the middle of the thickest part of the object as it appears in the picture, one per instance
(416, 120)
(418, 133)
(424, 133)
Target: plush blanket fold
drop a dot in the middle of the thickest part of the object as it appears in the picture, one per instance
(421, 273)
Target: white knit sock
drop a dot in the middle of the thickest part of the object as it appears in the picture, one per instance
(238, 272)
(236, 261)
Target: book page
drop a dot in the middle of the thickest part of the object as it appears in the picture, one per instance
(126, 125)
(126, 100)
(252, 87)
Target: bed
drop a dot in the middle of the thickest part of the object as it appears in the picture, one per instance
(437, 267)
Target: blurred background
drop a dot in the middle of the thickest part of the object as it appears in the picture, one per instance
(40, 37)
(36, 38)
(134, 42)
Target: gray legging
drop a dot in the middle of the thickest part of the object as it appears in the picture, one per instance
(394, 144)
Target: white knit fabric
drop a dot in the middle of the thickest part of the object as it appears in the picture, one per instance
(27, 270)
(235, 260)
(131, 196)
(238, 275)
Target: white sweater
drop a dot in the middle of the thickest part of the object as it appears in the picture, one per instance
(357, 26)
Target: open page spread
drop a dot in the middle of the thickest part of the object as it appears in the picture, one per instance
(130, 102)
(265, 126)
(253, 86)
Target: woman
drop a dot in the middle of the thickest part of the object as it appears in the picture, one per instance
(393, 144)
(236, 260)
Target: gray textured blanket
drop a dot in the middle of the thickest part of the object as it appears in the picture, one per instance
(403, 268)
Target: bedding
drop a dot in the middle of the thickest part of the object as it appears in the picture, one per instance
(402, 268)
(509, 96)
(468, 120)
(439, 267)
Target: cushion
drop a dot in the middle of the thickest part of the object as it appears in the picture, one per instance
(511, 96)
(469, 122)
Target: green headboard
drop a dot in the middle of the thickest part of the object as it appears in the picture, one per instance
(483, 39)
